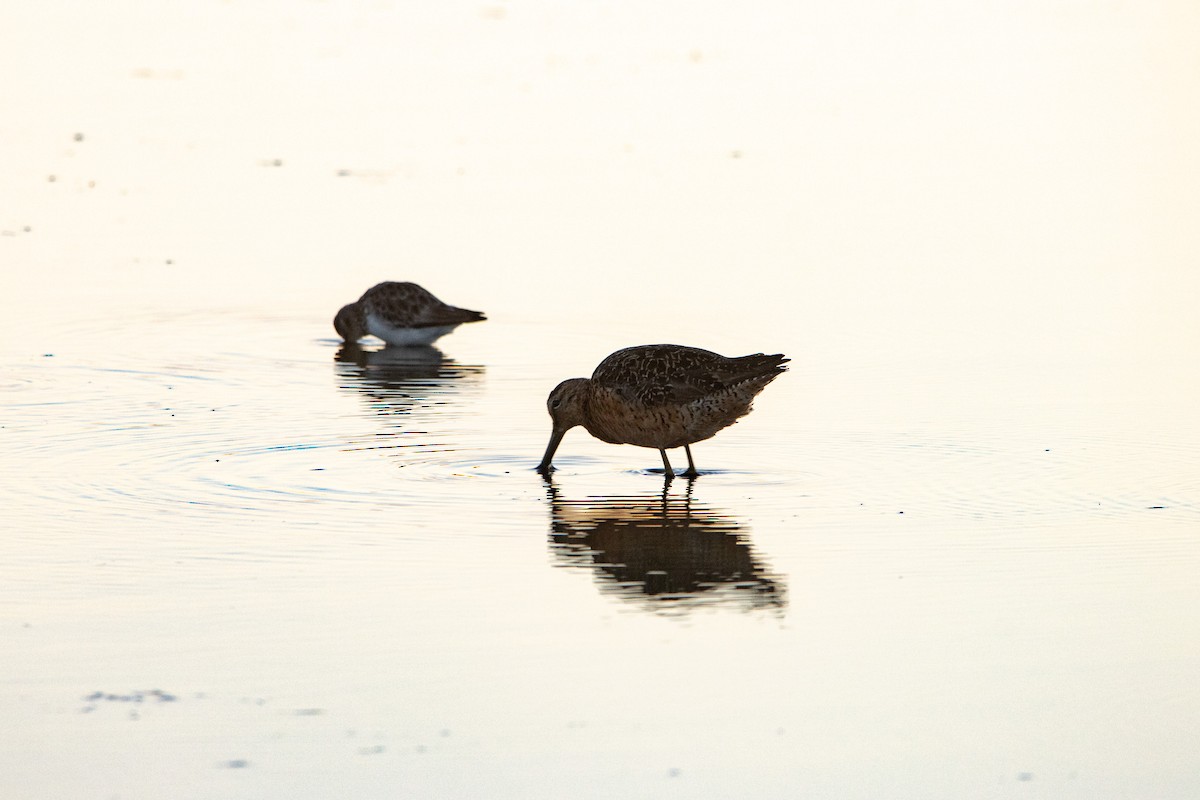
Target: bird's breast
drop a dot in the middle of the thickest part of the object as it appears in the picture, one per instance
(614, 419)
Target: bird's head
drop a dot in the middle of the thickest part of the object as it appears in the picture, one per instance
(350, 322)
(566, 405)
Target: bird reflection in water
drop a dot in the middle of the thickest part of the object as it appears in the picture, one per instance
(405, 385)
(666, 553)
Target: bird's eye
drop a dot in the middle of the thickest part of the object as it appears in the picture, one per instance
(556, 402)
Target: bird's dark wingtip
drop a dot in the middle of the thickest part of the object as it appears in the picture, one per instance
(774, 361)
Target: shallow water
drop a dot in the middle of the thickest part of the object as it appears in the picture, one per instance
(952, 552)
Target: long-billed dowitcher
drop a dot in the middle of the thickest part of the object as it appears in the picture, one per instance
(660, 396)
(400, 314)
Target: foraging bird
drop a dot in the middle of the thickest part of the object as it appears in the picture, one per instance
(660, 396)
(400, 314)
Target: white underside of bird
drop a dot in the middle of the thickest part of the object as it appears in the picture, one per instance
(404, 337)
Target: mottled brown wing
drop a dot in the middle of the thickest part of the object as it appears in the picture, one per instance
(411, 305)
(660, 374)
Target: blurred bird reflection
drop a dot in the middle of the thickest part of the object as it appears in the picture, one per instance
(665, 553)
(403, 380)
(412, 389)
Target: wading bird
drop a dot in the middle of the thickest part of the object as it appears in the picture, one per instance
(660, 396)
(400, 314)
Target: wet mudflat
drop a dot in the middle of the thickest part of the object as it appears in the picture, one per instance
(951, 553)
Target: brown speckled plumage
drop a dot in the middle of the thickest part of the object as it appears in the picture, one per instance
(660, 396)
(401, 314)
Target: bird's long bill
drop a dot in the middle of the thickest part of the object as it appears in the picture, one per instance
(555, 437)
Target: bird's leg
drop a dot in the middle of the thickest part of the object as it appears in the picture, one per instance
(667, 471)
(691, 470)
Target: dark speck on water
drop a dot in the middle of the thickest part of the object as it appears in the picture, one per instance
(153, 695)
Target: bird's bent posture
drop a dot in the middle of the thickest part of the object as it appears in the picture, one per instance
(660, 396)
(400, 314)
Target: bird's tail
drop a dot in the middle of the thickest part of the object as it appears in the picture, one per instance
(758, 366)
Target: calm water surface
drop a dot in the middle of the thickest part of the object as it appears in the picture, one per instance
(952, 552)
(247, 561)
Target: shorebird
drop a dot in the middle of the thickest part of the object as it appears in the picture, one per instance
(400, 314)
(660, 396)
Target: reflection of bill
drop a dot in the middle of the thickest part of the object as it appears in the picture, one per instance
(665, 553)
(403, 380)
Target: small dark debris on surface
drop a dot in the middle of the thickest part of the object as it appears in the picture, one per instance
(133, 699)
(1024, 776)
(309, 712)
(1156, 508)
(235, 763)
(53, 178)
(674, 772)
(79, 137)
(154, 695)
(371, 751)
